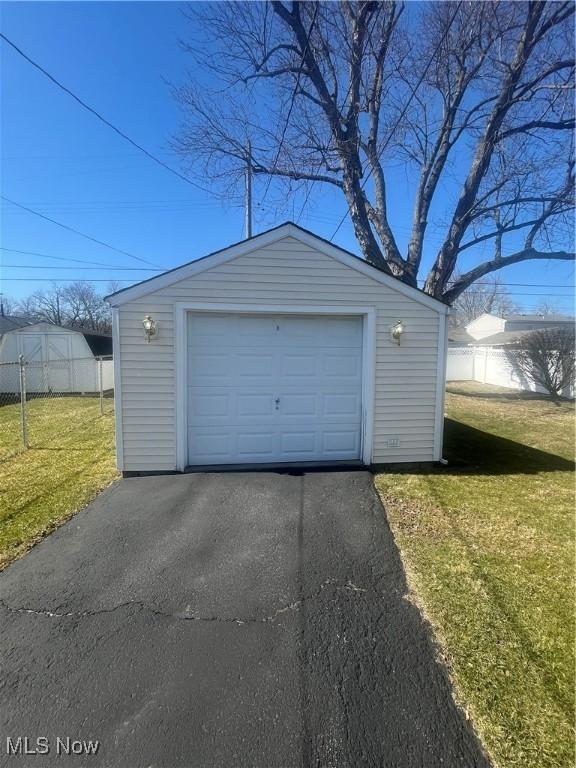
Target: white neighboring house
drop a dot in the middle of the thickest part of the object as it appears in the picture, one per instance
(484, 350)
(277, 349)
(59, 359)
(487, 325)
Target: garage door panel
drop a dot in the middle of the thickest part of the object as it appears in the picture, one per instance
(208, 366)
(253, 365)
(254, 404)
(273, 388)
(298, 443)
(341, 404)
(344, 364)
(208, 405)
(255, 445)
(208, 328)
(340, 441)
(298, 404)
(209, 445)
(297, 365)
(226, 409)
(328, 332)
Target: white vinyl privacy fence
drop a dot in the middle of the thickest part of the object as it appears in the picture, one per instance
(40, 402)
(489, 365)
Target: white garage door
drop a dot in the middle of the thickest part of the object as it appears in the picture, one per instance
(273, 388)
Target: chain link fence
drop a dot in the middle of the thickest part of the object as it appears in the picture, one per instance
(43, 404)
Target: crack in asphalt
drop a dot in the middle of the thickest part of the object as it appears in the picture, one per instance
(349, 586)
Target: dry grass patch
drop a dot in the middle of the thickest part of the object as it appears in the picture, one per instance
(489, 547)
(70, 460)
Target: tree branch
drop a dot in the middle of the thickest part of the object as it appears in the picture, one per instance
(552, 125)
(505, 229)
(257, 168)
(526, 254)
(446, 259)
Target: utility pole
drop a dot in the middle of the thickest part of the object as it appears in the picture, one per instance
(248, 192)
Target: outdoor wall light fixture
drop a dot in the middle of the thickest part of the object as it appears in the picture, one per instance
(397, 331)
(150, 328)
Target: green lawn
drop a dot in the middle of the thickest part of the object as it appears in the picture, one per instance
(71, 458)
(488, 544)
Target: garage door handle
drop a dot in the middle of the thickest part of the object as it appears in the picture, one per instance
(277, 402)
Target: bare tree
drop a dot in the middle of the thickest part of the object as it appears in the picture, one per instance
(77, 305)
(489, 296)
(546, 357)
(549, 306)
(7, 305)
(86, 307)
(114, 285)
(45, 306)
(476, 96)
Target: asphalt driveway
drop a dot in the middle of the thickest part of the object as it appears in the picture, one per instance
(202, 620)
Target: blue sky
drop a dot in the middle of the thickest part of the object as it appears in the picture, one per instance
(60, 160)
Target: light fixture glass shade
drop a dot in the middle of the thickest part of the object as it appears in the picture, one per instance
(397, 331)
(149, 327)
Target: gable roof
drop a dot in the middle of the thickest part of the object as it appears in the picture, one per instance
(288, 229)
(502, 338)
(509, 338)
(99, 343)
(459, 336)
(539, 318)
(486, 314)
(39, 324)
(11, 322)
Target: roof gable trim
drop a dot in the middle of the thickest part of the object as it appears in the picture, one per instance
(245, 247)
(36, 328)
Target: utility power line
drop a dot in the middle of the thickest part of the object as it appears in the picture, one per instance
(521, 285)
(51, 280)
(99, 264)
(69, 258)
(526, 293)
(77, 232)
(120, 205)
(92, 269)
(75, 203)
(142, 269)
(98, 115)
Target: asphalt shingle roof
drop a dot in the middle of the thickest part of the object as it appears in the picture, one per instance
(10, 322)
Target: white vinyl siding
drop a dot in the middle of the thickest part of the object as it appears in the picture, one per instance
(285, 272)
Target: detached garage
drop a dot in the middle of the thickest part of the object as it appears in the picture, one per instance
(281, 348)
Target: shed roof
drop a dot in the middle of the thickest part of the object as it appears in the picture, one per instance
(459, 336)
(11, 322)
(501, 339)
(99, 343)
(534, 318)
(288, 229)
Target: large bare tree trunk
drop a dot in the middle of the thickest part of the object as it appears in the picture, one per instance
(354, 86)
